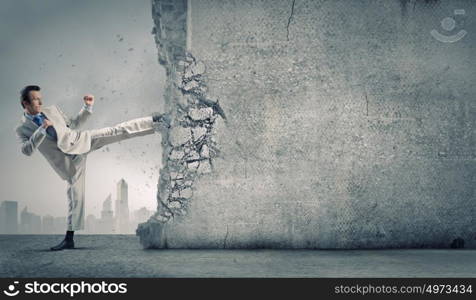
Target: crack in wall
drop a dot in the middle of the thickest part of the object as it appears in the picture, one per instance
(188, 146)
(289, 19)
(404, 3)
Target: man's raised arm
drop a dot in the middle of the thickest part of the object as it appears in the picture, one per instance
(83, 114)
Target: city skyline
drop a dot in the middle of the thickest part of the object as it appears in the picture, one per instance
(120, 220)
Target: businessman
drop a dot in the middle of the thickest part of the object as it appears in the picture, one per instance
(59, 139)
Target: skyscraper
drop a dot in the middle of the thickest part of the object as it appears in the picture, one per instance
(91, 226)
(142, 214)
(3, 224)
(48, 224)
(9, 217)
(30, 223)
(106, 222)
(122, 208)
(139, 216)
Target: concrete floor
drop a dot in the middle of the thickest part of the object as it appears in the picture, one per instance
(122, 256)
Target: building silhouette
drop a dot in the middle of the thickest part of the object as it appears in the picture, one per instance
(48, 224)
(122, 208)
(139, 216)
(30, 223)
(106, 223)
(9, 217)
(91, 224)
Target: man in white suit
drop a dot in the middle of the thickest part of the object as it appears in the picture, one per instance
(65, 147)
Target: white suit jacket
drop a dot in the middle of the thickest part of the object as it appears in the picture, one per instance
(64, 153)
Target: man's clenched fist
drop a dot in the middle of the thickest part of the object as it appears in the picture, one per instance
(47, 123)
(88, 99)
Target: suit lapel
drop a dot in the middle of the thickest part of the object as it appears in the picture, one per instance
(51, 112)
(51, 115)
(29, 123)
(32, 125)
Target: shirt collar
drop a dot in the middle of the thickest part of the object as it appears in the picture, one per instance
(31, 116)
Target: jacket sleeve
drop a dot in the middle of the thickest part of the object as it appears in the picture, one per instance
(30, 144)
(77, 121)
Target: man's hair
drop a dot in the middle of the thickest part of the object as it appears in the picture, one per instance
(25, 93)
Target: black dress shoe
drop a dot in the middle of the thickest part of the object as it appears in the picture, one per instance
(162, 118)
(65, 244)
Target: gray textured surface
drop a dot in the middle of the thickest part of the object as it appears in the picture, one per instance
(122, 256)
(349, 126)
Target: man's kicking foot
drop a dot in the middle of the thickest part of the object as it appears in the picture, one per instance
(67, 243)
(162, 118)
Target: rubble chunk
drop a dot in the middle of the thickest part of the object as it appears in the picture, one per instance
(200, 113)
(179, 135)
(198, 133)
(205, 151)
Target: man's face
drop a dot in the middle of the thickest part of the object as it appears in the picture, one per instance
(34, 107)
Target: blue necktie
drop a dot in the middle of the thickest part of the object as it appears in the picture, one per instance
(38, 119)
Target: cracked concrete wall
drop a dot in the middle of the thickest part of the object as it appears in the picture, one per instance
(347, 125)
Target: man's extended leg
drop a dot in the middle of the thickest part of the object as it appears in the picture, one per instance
(122, 131)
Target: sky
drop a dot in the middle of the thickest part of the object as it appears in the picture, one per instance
(71, 48)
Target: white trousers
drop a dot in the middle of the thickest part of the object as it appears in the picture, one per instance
(99, 138)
